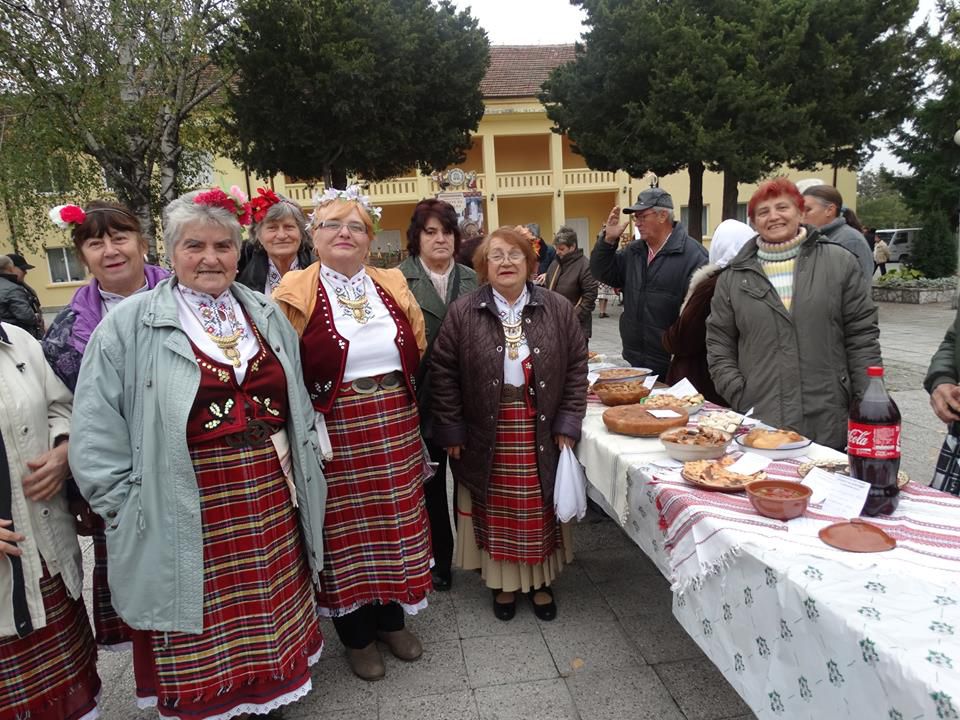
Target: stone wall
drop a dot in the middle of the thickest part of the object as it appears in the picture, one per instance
(915, 296)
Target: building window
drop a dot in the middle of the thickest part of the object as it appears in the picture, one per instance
(64, 265)
(685, 217)
(742, 212)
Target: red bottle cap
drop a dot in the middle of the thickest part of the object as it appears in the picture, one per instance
(874, 371)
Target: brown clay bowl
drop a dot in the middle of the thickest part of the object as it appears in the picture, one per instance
(779, 499)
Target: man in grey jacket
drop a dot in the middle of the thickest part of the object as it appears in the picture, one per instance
(17, 306)
(653, 272)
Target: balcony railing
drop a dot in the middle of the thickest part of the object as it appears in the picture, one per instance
(577, 179)
(520, 183)
(415, 188)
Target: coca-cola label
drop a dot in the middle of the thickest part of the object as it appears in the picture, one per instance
(876, 442)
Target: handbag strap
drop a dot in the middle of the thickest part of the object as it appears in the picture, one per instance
(21, 612)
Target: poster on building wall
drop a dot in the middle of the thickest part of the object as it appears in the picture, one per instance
(469, 207)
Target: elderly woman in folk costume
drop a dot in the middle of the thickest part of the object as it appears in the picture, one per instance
(109, 243)
(362, 337)
(509, 373)
(195, 440)
(48, 658)
(280, 242)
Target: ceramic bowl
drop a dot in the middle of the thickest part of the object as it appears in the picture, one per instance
(620, 375)
(779, 499)
(686, 451)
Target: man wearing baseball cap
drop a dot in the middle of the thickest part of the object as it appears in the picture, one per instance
(19, 305)
(653, 271)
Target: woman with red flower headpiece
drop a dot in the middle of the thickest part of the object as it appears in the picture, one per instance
(107, 238)
(196, 441)
(279, 242)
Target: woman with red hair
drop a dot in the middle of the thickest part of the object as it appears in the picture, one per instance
(792, 328)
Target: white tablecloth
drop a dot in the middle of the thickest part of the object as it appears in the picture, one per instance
(799, 629)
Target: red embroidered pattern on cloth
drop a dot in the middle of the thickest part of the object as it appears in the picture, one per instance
(375, 531)
(52, 673)
(512, 522)
(692, 519)
(260, 622)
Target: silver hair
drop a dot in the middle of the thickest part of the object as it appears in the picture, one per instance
(566, 236)
(6, 263)
(281, 211)
(669, 213)
(184, 211)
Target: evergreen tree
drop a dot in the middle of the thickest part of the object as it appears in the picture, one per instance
(327, 88)
(926, 145)
(934, 251)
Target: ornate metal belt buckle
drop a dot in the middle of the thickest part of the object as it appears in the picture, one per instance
(391, 381)
(258, 433)
(364, 386)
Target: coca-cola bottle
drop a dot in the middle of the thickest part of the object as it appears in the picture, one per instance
(873, 444)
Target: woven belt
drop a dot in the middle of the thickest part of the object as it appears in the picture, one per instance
(369, 385)
(513, 393)
(257, 434)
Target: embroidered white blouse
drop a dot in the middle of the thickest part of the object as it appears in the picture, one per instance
(109, 300)
(373, 348)
(511, 313)
(440, 281)
(274, 277)
(200, 314)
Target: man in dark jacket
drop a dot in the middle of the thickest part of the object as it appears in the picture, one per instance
(943, 384)
(653, 271)
(545, 253)
(18, 304)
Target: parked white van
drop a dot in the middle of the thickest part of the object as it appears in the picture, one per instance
(900, 242)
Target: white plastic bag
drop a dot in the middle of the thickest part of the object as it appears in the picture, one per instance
(570, 488)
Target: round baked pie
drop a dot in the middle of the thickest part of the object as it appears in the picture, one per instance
(637, 420)
(714, 475)
(771, 439)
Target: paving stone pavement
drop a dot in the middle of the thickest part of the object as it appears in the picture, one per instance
(614, 651)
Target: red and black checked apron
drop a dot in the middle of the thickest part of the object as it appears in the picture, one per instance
(111, 631)
(51, 674)
(512, 523)
(375, 532)
(261, 630)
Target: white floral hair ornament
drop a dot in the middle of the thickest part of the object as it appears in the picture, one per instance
(67, 216)
(353, 194)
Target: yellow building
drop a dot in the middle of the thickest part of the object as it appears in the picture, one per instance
(524, 172)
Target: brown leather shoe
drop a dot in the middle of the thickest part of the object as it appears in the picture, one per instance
(367, 662)
(402, 643)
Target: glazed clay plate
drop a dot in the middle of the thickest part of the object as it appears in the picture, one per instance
(841, 466)
(710, 475)
(857, 536)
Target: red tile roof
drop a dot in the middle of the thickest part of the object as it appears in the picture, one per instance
(520, 70)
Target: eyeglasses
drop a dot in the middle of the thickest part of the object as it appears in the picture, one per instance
(334, 226)
(499, 258)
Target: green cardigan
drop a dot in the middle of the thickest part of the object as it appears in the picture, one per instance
(944, 363)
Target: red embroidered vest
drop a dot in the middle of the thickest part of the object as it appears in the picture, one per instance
(323, 351)
(222, 407)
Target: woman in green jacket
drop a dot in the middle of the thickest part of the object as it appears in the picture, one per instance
(436, 280)
(195, 441)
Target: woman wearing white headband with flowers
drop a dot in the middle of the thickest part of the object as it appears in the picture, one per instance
(195, 440)
(109, 243)
(362, 337)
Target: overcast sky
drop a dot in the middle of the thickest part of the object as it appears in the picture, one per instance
(546, 22)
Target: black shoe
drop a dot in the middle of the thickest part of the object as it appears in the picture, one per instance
(504, 611)
(546, 612)
(441, 580)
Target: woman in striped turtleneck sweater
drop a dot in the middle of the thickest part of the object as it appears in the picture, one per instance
(792, 328)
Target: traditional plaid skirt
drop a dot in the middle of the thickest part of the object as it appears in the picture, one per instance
(512, 522)
(260, 627)
(51, 674)
(375, 531)
(111, 631)
(947, 475)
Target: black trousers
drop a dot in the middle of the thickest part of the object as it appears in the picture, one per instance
(358, 629)
(438, 511)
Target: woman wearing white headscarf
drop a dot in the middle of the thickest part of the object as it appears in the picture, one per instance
(686, 338)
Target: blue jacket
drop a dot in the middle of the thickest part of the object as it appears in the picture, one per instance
(129, 454)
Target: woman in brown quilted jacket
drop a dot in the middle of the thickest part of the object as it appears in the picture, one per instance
(509, 371)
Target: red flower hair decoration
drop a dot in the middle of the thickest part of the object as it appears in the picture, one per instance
(235, 203)
(260, 205)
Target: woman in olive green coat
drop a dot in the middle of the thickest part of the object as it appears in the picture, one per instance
(943, 384)
(436, 280)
